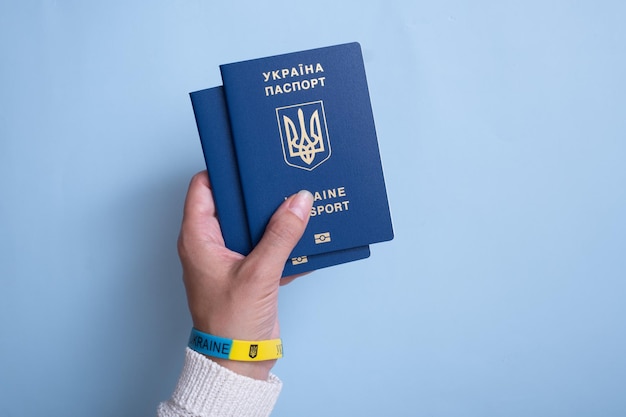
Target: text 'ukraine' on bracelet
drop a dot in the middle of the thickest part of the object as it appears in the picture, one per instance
(235, 350)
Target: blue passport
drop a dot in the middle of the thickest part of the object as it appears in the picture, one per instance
(304, 121)
(219, 153)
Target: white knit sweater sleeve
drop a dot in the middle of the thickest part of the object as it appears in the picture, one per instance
(207, 389)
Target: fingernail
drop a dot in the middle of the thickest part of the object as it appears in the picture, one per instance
(300, 204)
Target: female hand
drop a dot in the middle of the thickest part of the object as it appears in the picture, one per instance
(230, 295)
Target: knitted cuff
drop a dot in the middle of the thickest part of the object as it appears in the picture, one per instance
(208, 389)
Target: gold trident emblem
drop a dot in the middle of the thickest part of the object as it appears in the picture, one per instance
(304, 146)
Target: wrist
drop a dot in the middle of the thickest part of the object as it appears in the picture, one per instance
(233, 324)
(251, 358)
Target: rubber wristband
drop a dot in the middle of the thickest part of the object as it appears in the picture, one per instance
(233, 349)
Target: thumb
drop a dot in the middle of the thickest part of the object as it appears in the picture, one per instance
(282, 233)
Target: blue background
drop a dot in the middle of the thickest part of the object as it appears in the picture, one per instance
(503, 134)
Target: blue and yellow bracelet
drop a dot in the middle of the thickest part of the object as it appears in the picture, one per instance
(233, 349)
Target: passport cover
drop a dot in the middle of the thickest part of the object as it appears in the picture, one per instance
(304, 121)
(219, 153)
